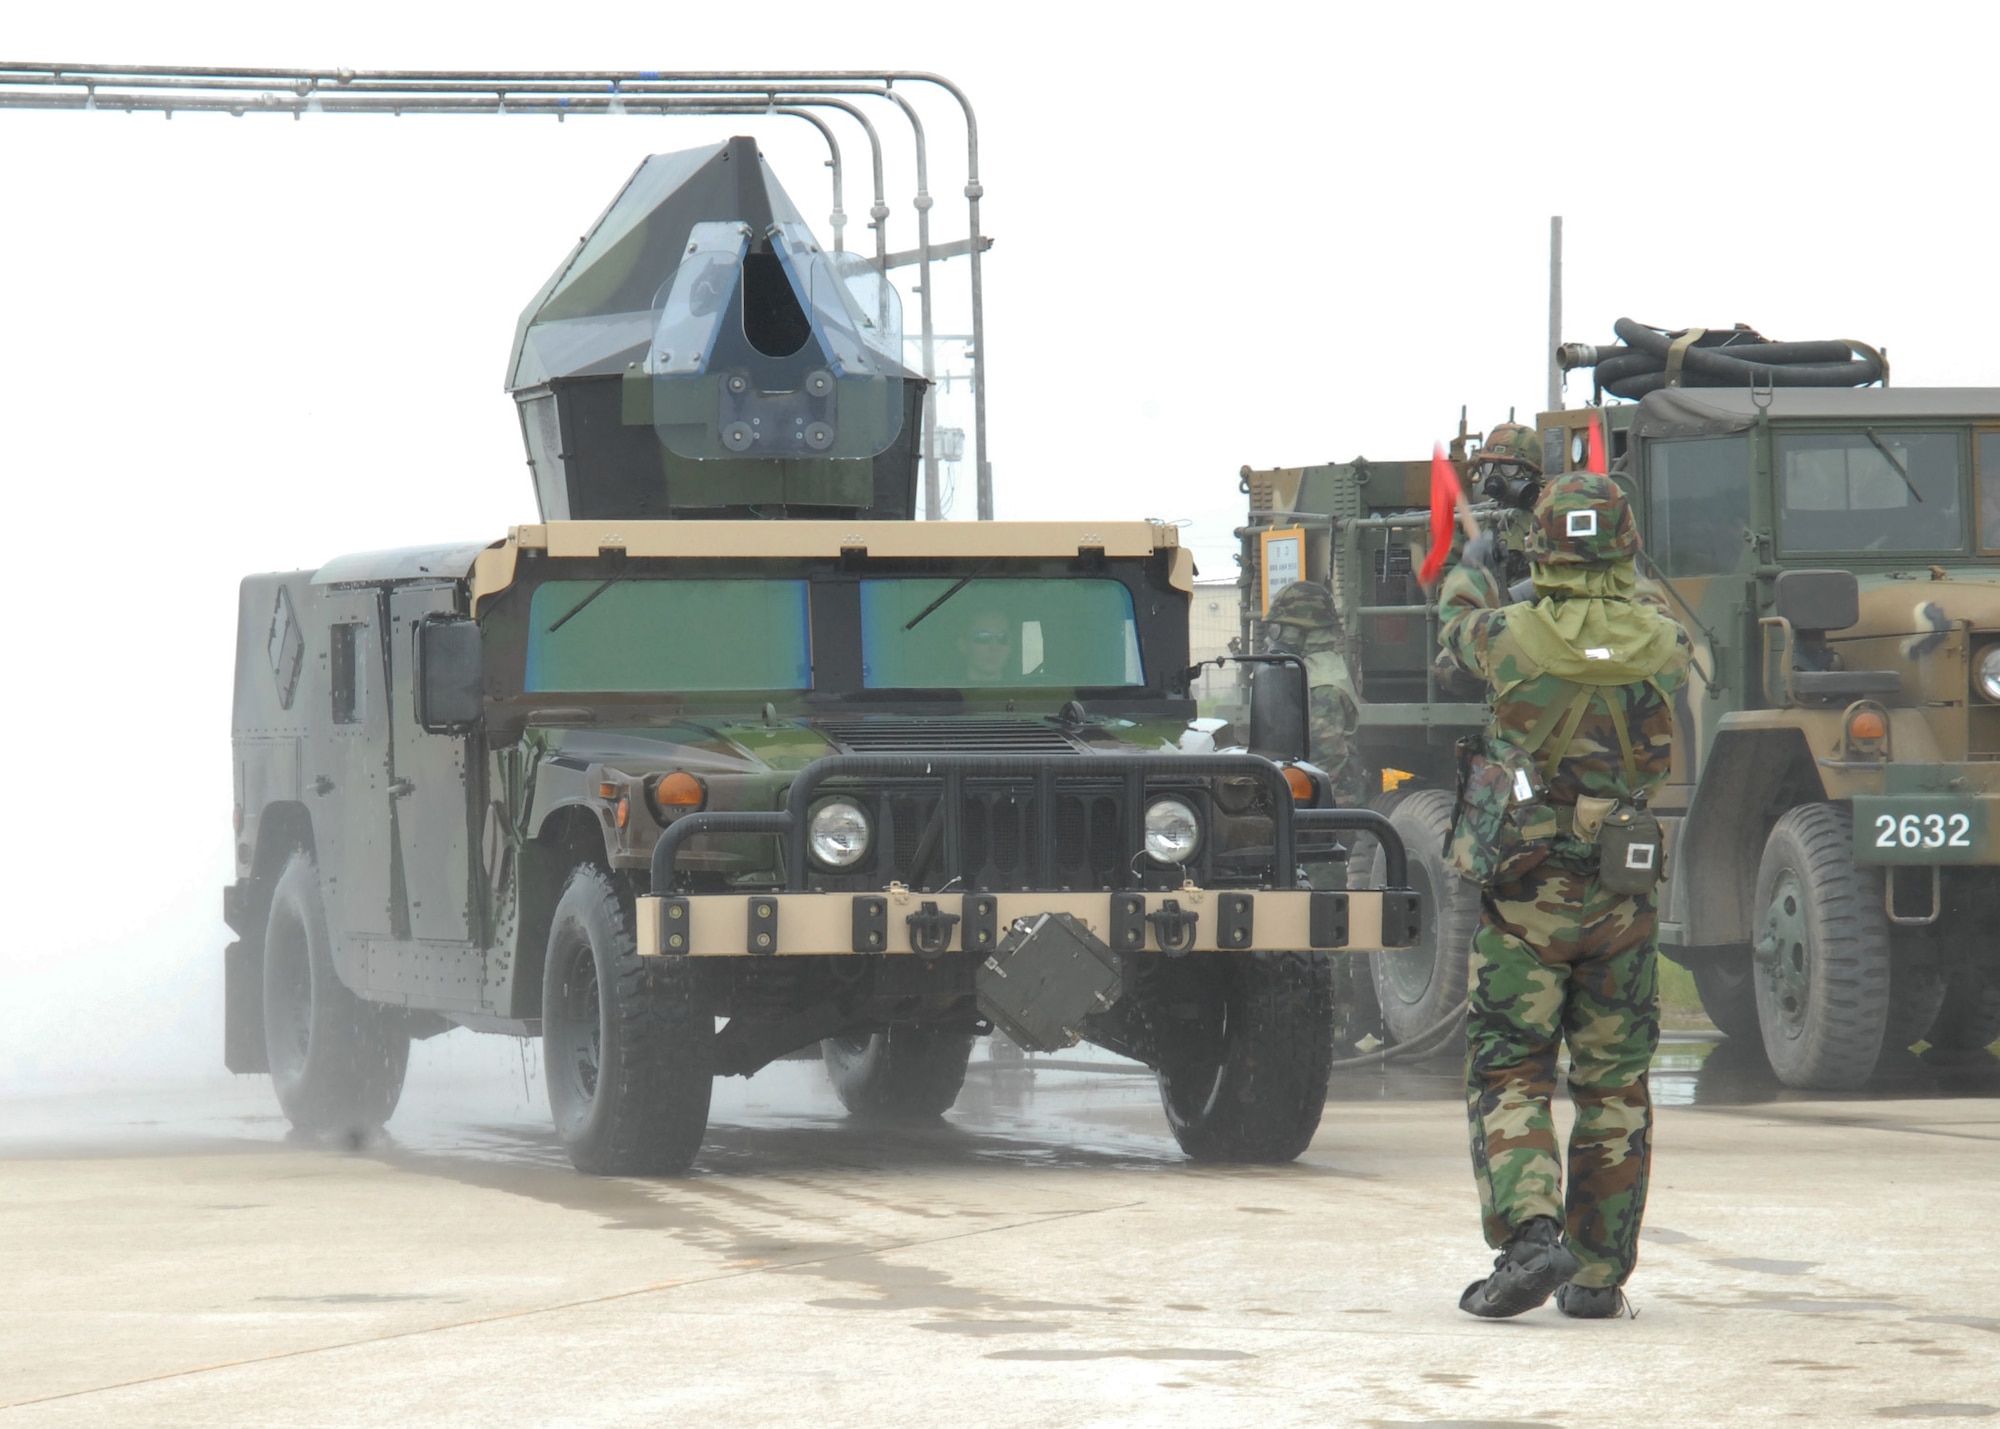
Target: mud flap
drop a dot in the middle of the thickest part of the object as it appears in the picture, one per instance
(243, 1009)
(1048, 974)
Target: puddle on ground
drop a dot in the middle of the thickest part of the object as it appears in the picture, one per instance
(1938, 1411)
(1767, 1267)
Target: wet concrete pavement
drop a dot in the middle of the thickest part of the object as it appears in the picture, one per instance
(1045, 1257)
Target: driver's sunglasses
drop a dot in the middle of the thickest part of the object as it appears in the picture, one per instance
(991, 637)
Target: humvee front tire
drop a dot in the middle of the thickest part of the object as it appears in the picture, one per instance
(903, 1074)
(1245, 1046)
(1418, 986)
(626, 1045)
(1822, 955)
(337, 1061)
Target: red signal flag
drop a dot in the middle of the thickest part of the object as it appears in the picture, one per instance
(1594, 460)
(1444, 504)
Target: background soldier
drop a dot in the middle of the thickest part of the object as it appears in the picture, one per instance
(1304, 623)
(1582, 682)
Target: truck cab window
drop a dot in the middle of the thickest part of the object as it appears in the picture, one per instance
(1698, 500)
(1859, 492)
(1988, 446)
(345, 674)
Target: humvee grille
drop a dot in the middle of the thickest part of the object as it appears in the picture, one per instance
(957, 736)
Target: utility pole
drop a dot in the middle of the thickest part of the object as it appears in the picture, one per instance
(1555, 313)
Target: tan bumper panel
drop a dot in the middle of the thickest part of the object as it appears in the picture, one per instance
(823, 924)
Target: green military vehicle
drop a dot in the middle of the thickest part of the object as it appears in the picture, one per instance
(1835, 555)
(727, 737)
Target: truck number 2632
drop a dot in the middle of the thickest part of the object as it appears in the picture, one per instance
(1923, 831)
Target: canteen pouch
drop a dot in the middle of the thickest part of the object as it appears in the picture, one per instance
(1631, 852)
(1502, 825)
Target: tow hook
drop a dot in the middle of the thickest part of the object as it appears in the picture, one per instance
(1173, 928)
(930, 930)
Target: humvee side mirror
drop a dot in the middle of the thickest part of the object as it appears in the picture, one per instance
(1278, 709)
(1817, 600)
(450, 675)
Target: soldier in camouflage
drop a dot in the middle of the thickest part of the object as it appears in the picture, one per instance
(1304, 622)
(1557, 957)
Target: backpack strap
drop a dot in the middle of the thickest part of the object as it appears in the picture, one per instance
(1617, 708)
(1538, 734)
(1566, 710)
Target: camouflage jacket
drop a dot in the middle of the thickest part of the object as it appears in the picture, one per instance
(1333, 714)
(1474, 640)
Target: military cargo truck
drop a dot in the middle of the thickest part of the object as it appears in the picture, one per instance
(1835, 556)
(727, 737)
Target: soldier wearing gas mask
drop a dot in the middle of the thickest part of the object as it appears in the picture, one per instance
(1552, 823)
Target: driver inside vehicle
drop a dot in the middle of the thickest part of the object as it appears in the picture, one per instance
(987, 647)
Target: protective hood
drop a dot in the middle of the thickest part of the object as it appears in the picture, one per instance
(1588, 626)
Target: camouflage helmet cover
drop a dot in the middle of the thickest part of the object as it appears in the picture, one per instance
(1306, 604)
(1510, 441)
(1582, 519)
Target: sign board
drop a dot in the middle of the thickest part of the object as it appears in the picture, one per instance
(1282, 558)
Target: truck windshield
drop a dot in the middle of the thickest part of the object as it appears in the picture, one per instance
(1029, 632)
(681, 635)
(1858, 492)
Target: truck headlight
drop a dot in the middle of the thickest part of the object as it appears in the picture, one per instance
(838, 834)
(1173, 833)
(1987, 676)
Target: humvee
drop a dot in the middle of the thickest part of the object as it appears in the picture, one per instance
(727, 737)
(1835, 557)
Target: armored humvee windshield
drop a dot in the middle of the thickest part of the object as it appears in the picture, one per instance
(725, 633)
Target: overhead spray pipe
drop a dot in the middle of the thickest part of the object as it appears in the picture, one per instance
(240, 91)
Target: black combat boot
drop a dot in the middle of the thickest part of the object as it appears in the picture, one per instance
(1534, 1263)
(1590, 1302)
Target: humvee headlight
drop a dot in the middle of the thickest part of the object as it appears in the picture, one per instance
(1987, 677)
(1172, 831)
(838, 834)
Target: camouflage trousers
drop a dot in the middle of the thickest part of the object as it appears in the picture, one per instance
(1556, 959)
(1332, 718)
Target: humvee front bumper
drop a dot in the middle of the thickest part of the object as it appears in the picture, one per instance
(897, 919)
(1186, 920)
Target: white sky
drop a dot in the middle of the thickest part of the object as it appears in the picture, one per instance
(1266, 234)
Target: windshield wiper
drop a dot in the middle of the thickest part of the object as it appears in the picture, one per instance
(964, 581)
(571, 613)
(1890, 457)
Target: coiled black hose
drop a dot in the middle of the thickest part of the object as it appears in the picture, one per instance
(1733, 357)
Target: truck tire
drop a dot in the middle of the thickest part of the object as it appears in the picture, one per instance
(903, 1074)
(337, 1061)
(1822, 953)
(1969, 1020)
(1244, 1077)
(1417, 987)
(1727, 987)
(627, 1045)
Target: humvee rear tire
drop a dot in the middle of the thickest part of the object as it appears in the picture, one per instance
(627, 1045)
(1969, 1020)
(1245, 1046)
(337, 1061)
(1822, 955)
(1727, 986)
(903, 1074)
(1418, 986)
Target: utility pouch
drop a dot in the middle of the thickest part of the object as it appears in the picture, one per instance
(1503, 825)
(1631, 851)
(1591, 812)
